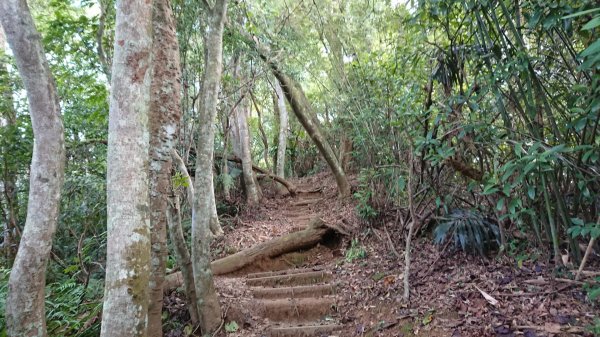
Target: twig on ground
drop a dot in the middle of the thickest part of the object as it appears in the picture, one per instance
(398, 256)
(222, 322)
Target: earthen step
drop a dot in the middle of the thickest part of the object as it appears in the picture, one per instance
(319, 290)
(307, 202)
(303, 330)
(312, 277)
(284, 272)
(299, 216)
(296, 310)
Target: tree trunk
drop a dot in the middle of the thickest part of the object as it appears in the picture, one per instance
(302, 110)
(215, 228)
(242, 124)
(165, 114)
(182, 255)
(309, 237)
(261, 129)
(292, 242)
(25, 315)
(209, 308)
(126, 294)
(283, 130)
(242, 140)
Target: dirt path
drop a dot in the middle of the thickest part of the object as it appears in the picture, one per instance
(292, 295)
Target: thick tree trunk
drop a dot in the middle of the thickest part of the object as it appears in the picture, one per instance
(182, 255)
(126, 294)
(165, 115)
(283, 130)
(25, 315)
(209, 308)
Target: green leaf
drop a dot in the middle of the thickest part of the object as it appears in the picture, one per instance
(531, 192)
(500, 204)
(581, 13)
(594, 293)
(595, 22)
(231, 327)
(594, 48)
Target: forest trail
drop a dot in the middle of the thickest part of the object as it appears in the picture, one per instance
(292, 295)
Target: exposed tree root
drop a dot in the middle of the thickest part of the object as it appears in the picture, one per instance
(314, 233)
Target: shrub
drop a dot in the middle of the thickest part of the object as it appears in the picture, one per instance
(468, 230)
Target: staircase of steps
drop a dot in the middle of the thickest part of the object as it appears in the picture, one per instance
(297, 302)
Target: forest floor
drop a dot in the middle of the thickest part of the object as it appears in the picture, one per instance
(452, 294)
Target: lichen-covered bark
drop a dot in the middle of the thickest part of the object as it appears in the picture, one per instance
(125, 308)
(25, 315)
(164, 117)
(209, 308)
(283, 130)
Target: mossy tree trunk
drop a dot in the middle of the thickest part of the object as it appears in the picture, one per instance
(126, 295)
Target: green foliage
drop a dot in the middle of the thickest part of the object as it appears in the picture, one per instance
(355, 252)
(467, 230)
(231, 327)
(364, 197)
(4, 274)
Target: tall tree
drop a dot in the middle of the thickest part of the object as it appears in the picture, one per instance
(281, 108)
(125, 308)
(165, 114)
(208, 304)
(25, 315)
(241, 139)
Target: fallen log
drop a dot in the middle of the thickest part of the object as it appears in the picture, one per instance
(309, 237)
(289, 186)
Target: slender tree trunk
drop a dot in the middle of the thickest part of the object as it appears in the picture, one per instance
(8, 120)
(261, 129)
(246, 156)
(25, 315)
(215, 229)
(126, 294)
(241, 146)
(165, 115)
(182, 255)
(209, 308)
(283, 131)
